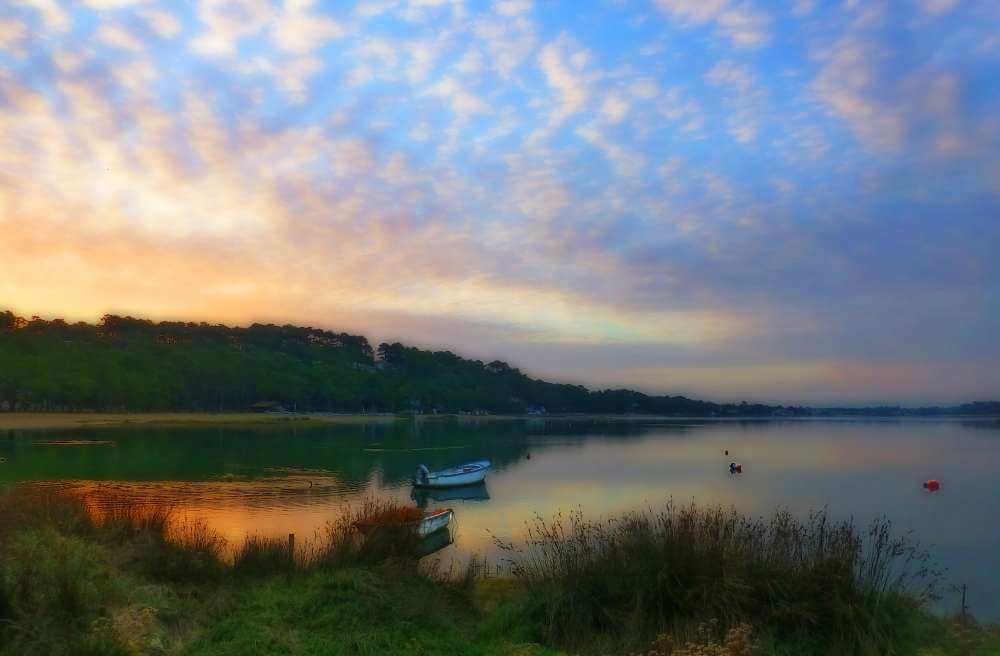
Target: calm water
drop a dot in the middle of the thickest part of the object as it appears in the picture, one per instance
(286, 480)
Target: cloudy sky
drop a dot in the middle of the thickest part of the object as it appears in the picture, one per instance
(786, 201)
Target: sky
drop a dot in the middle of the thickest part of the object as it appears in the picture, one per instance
(791, 201)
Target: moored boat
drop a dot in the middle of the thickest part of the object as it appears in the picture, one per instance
(467, 474)
(423, 523)
(435, 521)
(434, 542)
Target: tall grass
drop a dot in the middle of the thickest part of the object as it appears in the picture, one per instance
(264, 556)
(644, 572)
(62, 558)
(391, 536)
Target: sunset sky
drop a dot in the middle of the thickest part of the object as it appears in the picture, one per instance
(794, 201)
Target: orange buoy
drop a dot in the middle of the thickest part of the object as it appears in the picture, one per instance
(933, 485)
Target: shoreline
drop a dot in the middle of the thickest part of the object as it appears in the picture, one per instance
(71, 420)
(68, 420)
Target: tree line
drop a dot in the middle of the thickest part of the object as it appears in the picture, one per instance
(130, 364)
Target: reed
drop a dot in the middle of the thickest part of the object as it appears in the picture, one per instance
(389, 536)
(27, 506)
(640, 573)
(260, 556)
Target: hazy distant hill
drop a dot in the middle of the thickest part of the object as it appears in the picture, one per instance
(124, 363)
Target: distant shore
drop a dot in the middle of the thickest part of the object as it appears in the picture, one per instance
(40, 420)
(69, 420)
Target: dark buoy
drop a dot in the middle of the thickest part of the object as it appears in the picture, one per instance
(933, 485)
(727, 452)
(528, 456)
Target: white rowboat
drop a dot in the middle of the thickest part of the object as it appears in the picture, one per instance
(434, 520)
(467, 474)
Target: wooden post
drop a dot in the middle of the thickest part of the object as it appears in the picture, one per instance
(291, 544)
(964, 607)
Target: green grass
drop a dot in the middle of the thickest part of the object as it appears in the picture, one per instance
(620, 583)
(75, 579)
(351, 611)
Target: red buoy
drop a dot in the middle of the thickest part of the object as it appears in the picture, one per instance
(739, 469)
(933, 485)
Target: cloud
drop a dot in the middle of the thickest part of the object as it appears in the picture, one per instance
(54, 18)
(295, 75)
(922, 109)
(509, 41)
(577, 197)
(471, 63)
(938, 7)
(165, 24)
(564, 78)
(744, 25)
(615, 109)
(849, 83)
(731, 74)
(626, 164)
(13, 35)
(516, 7)
(744, 97)
(226, 22)
(298, 30)
(104, 5)
(462, 103)
(119, 37)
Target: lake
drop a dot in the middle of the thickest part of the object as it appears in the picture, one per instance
(277, 480)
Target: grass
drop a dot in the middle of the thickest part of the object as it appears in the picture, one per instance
(624, 580)
(78, 577)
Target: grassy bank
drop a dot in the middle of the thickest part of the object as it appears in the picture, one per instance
(63, 420)
(77, 577)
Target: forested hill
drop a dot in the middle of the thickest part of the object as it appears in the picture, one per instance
(134, 364)
(123, 363)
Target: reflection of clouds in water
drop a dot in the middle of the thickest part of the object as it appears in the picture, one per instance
(277, 492)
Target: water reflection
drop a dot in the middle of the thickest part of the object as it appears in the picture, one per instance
(422, 496)
(435, 542)
(293, 480)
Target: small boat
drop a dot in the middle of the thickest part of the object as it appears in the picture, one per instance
(423, 523)
(434, 542)
(423, 495)
(467, 474)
